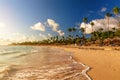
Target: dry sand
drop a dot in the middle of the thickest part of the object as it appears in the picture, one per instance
(105, 64)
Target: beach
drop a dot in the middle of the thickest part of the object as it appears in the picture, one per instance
(103, 61)
(39, 63)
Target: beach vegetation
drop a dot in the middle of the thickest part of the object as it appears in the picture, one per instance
(97, 37)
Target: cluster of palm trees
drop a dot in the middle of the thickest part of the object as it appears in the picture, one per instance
(97, 37)
(103, 35)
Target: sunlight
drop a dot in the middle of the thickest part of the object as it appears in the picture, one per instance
(2, 24)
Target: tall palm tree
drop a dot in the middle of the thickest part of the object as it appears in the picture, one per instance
(116, 11)
(72, 30)
(92, 37)
(69, 30)
(83, 36)
(83, 31)
(108, 15)
(92, 24)
(85, 20)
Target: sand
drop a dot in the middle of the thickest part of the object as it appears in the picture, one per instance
(104, 63)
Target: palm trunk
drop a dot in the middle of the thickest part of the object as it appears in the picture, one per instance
(108, 27)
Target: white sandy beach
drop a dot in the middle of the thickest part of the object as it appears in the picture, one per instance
(104, 64)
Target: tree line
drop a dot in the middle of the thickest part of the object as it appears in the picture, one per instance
(99, 37)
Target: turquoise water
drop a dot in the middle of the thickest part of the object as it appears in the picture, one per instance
(39, 63)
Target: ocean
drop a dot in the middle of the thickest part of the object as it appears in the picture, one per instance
(39, 63)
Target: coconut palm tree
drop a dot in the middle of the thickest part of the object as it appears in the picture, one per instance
(116, 11)
(108, 15)
(73, 29)
(85, 20)
(69, 29)
(83, 31)
(83, 36)
(92, 24)
(92, 37)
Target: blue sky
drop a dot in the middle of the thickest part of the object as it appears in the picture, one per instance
(19, 16)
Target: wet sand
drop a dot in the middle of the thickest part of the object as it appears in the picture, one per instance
(104, 61)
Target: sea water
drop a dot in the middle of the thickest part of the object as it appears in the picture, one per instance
(39, 63)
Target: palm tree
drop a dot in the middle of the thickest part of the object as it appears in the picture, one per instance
(73, 29)
(85, 20)
(108, 15)
(69, 29)
(83, 31)
(116, 10)
(92, 24)
(56, 38)
(113, 29)
(83, 36)
(92, 37)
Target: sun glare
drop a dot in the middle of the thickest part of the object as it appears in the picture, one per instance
(2, 24)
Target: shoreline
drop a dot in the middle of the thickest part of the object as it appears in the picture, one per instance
(84, 72)
(103, 61)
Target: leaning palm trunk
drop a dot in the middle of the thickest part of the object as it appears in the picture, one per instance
(108, 15)
(108, 28)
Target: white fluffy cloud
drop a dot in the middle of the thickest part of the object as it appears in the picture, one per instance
(17, 37)
(103, 9)
(100, 23)
(60, 32)
(51, 23)
(39, 26)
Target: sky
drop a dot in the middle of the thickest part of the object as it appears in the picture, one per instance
(33, 20)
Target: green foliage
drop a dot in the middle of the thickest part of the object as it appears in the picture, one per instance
(117, 33)
(85, 20)
(108, 15)
(116, 10)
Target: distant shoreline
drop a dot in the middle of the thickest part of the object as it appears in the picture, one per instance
(91, 47)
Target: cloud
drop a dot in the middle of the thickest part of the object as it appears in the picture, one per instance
(49, 35)
(100, 23)
(43, 36)
(17, 37)
(52, 24)
(60, 32)
(91, 11)
(38, 26)
(103, 9)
